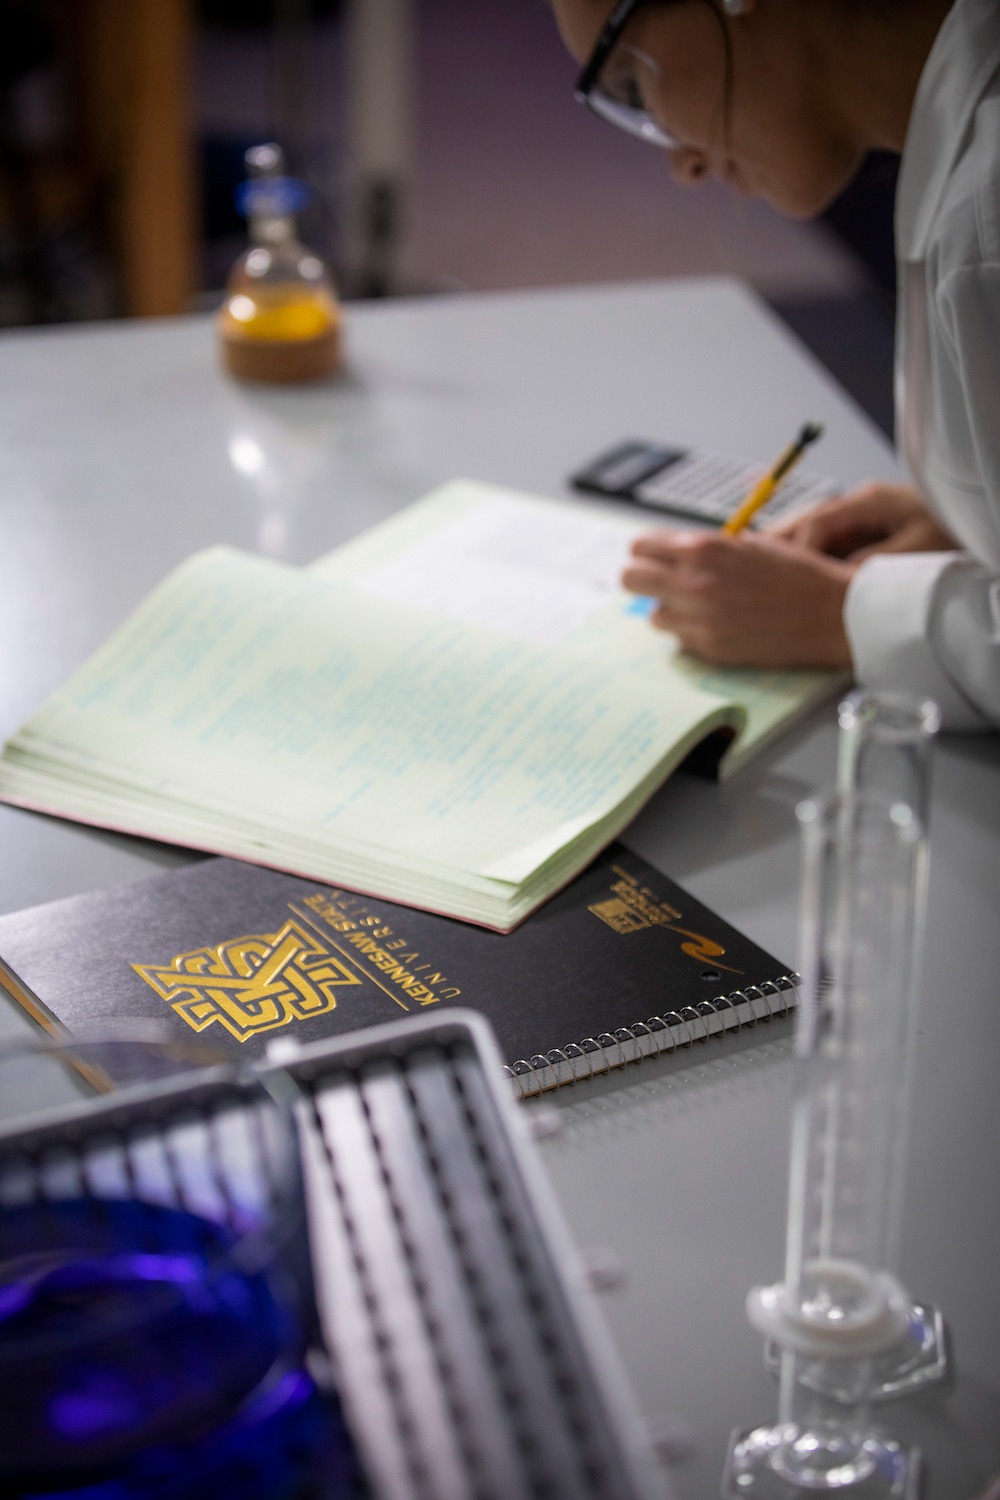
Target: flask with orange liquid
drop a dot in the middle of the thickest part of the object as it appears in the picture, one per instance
(281, 319)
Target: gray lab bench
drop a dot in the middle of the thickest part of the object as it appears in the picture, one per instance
(124, 450)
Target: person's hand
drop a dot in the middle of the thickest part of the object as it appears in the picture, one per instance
(873, 518)
(750, 600)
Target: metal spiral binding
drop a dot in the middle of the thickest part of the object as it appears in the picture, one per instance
(653, 1037)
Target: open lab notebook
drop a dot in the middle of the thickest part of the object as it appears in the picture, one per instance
(456, 710)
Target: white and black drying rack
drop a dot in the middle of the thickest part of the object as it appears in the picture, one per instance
(469, 1358)
(467, 1354)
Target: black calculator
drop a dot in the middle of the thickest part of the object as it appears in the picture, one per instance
(691, 483)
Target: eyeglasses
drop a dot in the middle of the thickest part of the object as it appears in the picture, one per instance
(609, 82)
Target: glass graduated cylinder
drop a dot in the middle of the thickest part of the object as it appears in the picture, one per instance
(863, 894)
(838, 1308)
(885, 745)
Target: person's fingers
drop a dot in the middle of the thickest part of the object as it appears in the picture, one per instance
(664, 547)
(806, 531)
(676, 609)
(647, 579)
(754, 600)
(687, 551)
(697, 633)
(690, 632)
(918, 536)
(836, 527)
(671, 562)
(872, 517)
(640, 572)
(789, 531)
(664, 618)
(676, 606)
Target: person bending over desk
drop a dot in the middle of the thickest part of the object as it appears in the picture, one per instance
(782, 99)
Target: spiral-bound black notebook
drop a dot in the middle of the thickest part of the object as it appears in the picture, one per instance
(620, 965)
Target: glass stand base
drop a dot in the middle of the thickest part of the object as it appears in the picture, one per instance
(752, 1469)
(919, 1358)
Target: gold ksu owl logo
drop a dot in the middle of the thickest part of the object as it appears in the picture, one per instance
(251, 984)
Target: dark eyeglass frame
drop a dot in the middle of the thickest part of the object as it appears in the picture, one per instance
(637, 122)
(606, 42)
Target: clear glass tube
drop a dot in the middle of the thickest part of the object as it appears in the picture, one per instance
(863, 898)
(885, 745)
(886, 741)
(840, 1314)
(885, 748)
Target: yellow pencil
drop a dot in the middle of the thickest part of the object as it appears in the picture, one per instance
(765, 488)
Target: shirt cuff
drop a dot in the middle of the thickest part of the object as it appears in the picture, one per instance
(888, 617)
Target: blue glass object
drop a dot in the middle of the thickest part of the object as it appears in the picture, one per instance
(144, 1356)
(272, 195)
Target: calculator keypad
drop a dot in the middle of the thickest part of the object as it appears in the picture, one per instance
(710, 487)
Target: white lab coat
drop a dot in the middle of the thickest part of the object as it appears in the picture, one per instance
(930, 622)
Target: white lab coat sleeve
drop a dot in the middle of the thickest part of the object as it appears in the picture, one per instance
(967, 303)
(892, 616)
(930, 622)
(965, 621)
